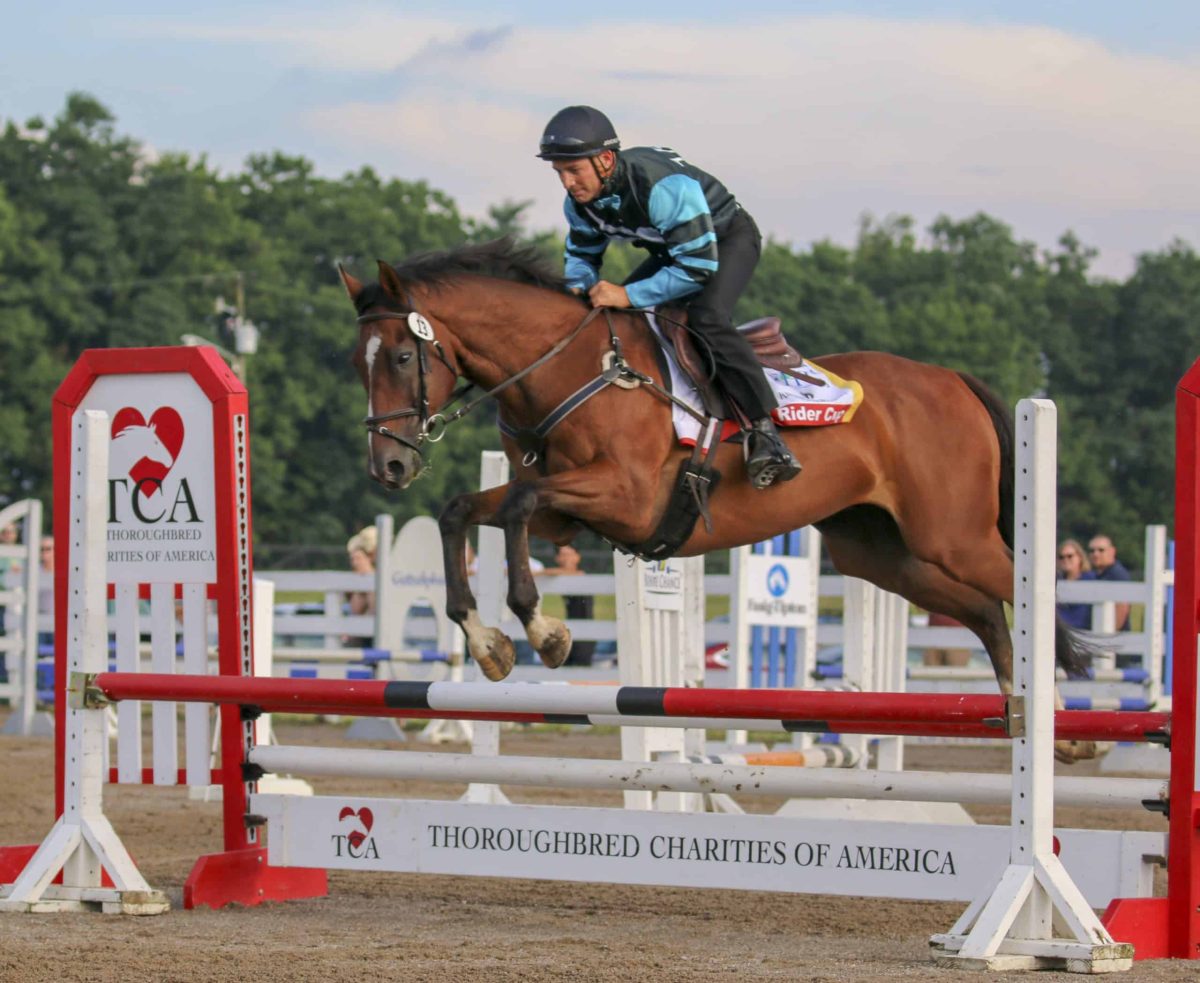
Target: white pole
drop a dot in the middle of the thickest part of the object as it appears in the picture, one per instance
(739, 627)
(29, 620)
(1013, 926)
(22, 663)
(82, 842)
(490, 586)
(674, 776)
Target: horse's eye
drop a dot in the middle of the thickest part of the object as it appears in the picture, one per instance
(403, 358)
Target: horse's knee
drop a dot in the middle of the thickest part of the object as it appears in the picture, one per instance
(519, 505)
(453, 517)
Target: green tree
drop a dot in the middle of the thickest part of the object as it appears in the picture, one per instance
(101, 245)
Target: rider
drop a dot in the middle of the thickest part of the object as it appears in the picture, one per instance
(703, 246)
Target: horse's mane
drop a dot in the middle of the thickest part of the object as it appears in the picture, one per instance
(504, 259)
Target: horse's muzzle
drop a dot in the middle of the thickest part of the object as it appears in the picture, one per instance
(396, 466)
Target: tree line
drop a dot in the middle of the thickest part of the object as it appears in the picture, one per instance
(103, 245)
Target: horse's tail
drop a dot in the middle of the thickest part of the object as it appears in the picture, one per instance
(1002, 422)
(1071, 652)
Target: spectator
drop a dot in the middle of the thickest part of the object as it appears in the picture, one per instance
(1073, 565)
(567, 562)
(46, 588)
(361, 550)
(1105, 566)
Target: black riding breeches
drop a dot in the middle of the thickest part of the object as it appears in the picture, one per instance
(710, 316)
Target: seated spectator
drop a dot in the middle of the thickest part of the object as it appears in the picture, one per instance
(1073, 565)
(1106, 566)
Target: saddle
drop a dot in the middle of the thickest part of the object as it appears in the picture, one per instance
(765, 335)
(697, 478)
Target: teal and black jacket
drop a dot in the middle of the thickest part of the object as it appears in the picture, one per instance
(663, 204)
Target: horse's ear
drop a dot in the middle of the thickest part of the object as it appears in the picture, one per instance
(353, 287)
(390, 281)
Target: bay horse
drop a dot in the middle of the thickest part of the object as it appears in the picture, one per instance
(913, 494)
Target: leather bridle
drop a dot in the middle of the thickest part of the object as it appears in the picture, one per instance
(432, 426)
(615, 371)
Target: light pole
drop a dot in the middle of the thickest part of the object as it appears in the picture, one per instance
(243, 331)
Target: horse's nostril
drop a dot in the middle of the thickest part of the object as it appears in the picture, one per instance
(395, 469)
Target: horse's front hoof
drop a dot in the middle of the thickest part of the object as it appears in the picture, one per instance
(555, 644)
(495, 654)
(1068, 752)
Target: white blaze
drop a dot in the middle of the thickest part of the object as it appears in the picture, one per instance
(372, 350)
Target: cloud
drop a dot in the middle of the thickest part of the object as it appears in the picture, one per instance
(810, 120)
(366, 39)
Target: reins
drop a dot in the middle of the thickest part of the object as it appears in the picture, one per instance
(432, 427)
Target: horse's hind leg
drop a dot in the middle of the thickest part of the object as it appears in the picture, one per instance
(871, 547)
(865, 542)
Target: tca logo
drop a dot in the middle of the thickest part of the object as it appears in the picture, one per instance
(141, 455)
(357, 843)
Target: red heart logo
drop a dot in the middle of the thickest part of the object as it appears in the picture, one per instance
(364, 816)
(145, 452)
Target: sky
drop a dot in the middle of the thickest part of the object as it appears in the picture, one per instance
(1051, 116)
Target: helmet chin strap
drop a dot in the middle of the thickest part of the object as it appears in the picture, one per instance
(604, 178)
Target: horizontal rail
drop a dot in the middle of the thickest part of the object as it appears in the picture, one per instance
(666, 776)
(940, 714)
(1069, 725)
(947, 708)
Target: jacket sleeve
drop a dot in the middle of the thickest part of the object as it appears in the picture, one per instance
(585, 250)
(678, 209)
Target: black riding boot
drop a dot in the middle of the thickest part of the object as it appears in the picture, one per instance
(768, 459)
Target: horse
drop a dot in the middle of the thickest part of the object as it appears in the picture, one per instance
(914, 494)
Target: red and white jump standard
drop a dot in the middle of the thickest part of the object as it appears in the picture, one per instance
(174, 528)
(1169, 927)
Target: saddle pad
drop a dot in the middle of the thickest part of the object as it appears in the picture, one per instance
(801, 404)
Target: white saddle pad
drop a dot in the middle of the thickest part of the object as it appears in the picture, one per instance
(799, 403)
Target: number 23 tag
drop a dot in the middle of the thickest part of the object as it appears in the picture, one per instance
(420, 327)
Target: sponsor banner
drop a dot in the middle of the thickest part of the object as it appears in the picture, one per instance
(779, 590)
(761, 853)
(417, 564)
(662, 583)
(161, 484)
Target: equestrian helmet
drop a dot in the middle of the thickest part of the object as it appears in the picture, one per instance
(577, 131)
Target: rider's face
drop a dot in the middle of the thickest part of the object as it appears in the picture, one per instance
(582, 178)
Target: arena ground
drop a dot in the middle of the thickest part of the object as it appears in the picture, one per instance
(422, 928)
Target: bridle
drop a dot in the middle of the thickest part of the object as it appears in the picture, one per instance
(432, 426)
(615, 371)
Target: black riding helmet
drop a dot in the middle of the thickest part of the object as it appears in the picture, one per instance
(577, 131)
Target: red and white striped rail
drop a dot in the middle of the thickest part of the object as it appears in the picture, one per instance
(840, 712)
